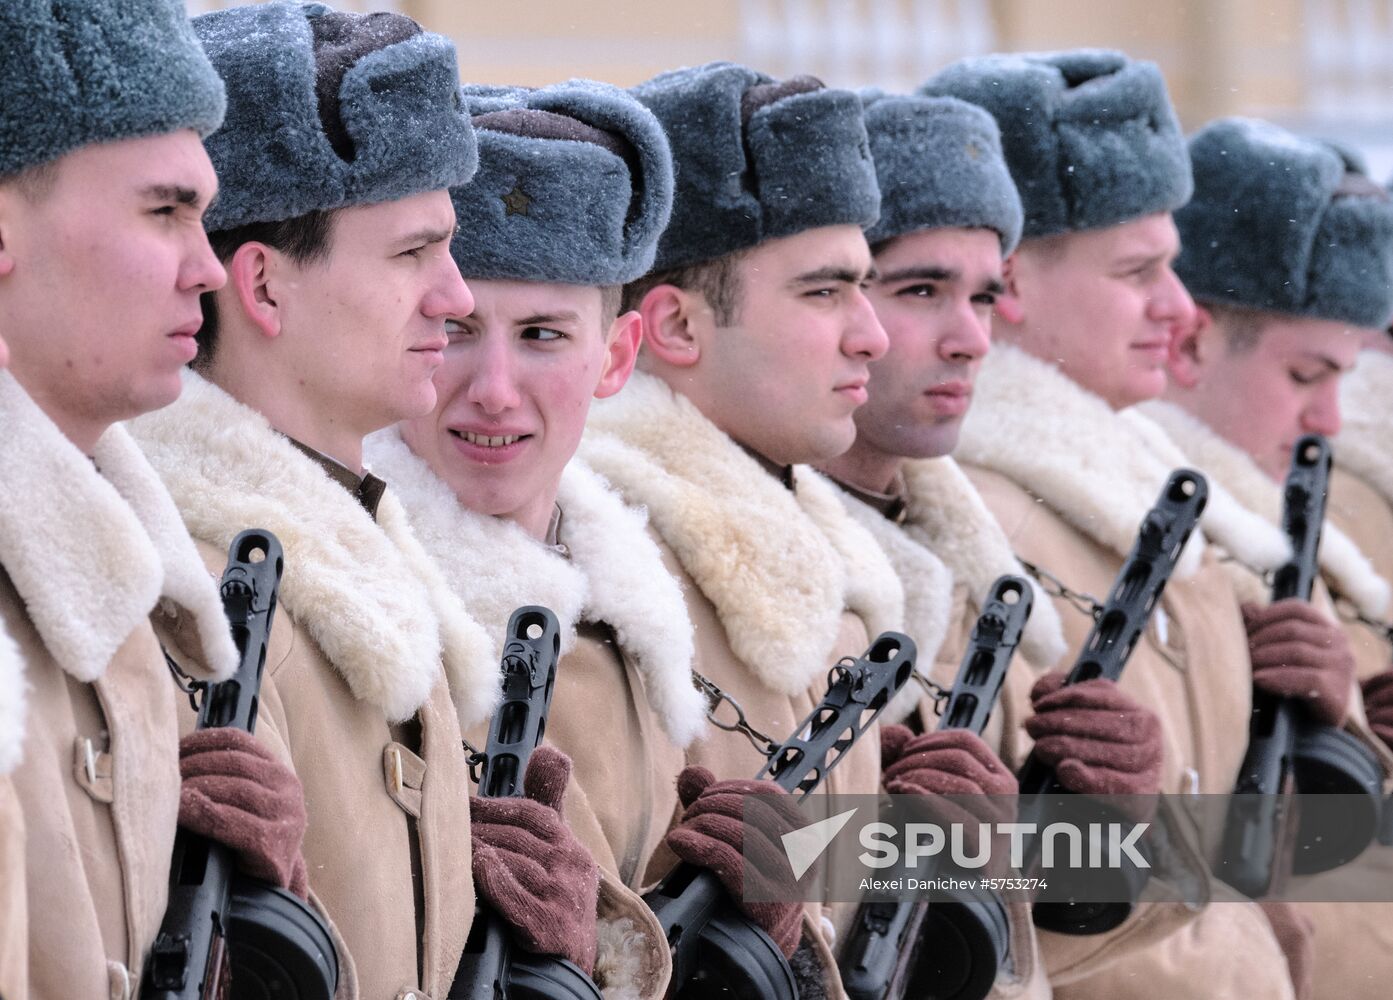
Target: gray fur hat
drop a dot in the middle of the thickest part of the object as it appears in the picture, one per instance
(939, 164)
(1090, 135)
(757, 159)
(329, 109)
(574, 186)
(1285, 224)
(75, 72)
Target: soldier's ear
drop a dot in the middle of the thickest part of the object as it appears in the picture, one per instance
(1008, 303)
(252, 275)
(673, 321)
(621, 351)
(1189, 348)
(7, 260)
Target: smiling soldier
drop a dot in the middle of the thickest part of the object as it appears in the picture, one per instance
(573, 189)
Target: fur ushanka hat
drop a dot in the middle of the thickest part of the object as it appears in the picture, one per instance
(327, 109)
(1285, 224)
(1090, 135)
(939, 165)
(574, 186)
(757, 159)
(75, 72)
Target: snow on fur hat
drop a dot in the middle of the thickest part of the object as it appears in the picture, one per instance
(574, 186)
(1285, 224)
(76, 72)
(757, 159)
(1090, 135)
(939, 164)
(329, 109)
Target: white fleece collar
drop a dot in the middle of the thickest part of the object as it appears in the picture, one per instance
(1345, 568)
(366, 592)
(1101, 470)
(14, 694)
(1365, 445)
(779, 566)
(947, 514)
(615, 574)
(91, 552)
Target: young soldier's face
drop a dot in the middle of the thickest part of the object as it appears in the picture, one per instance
(520, 372)
(366, 324)
(101, 269)
(786, 378)
(1264, 396)
(933, 292)
(1102, 305)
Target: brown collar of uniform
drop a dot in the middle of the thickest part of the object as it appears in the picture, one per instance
(553, 537)
(783, 473)
(893, 505)
(367, 489)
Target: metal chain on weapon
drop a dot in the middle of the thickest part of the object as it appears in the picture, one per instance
(714, 697)
(934, 690)
(184, 681)
(1053, 586)
(1349, 611)
(475, 759)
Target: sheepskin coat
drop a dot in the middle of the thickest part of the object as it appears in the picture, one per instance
(948, 551)
(1341, 929)
(88, 547)
(779, 583)
(372, 669)
(1361, 489)
(14, 958)
(1070, 481)
(624, 705)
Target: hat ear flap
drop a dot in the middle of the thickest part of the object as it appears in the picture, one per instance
(651, 172)
(381, 100)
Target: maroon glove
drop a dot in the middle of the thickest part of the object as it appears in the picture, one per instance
(531, 868)
(1378, 704)
(236, 792)
(1299, 653)
(1296, 936)
(952, 762)
(711, 835)
(1097, 738)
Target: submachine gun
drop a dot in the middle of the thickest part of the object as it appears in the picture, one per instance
(950, 948)
(1121, 622)
(1287, 750)
(716, 950)
(226, 934)
(492, 967)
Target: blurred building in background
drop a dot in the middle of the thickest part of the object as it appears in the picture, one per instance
(1323, 67)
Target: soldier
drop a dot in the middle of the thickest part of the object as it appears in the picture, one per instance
(938, 249)
(13, 944)
(1100, 163)
(1361, 490)
(573, 189)
(103, 181)
(757, 337)
(334, 220)
(1288, 252)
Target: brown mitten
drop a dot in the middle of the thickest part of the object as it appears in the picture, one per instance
(711, 835)
(1098, 739)
(236, 792)
(1296, 935)
(530, 867)
(1297, 652)
(1378, 704)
